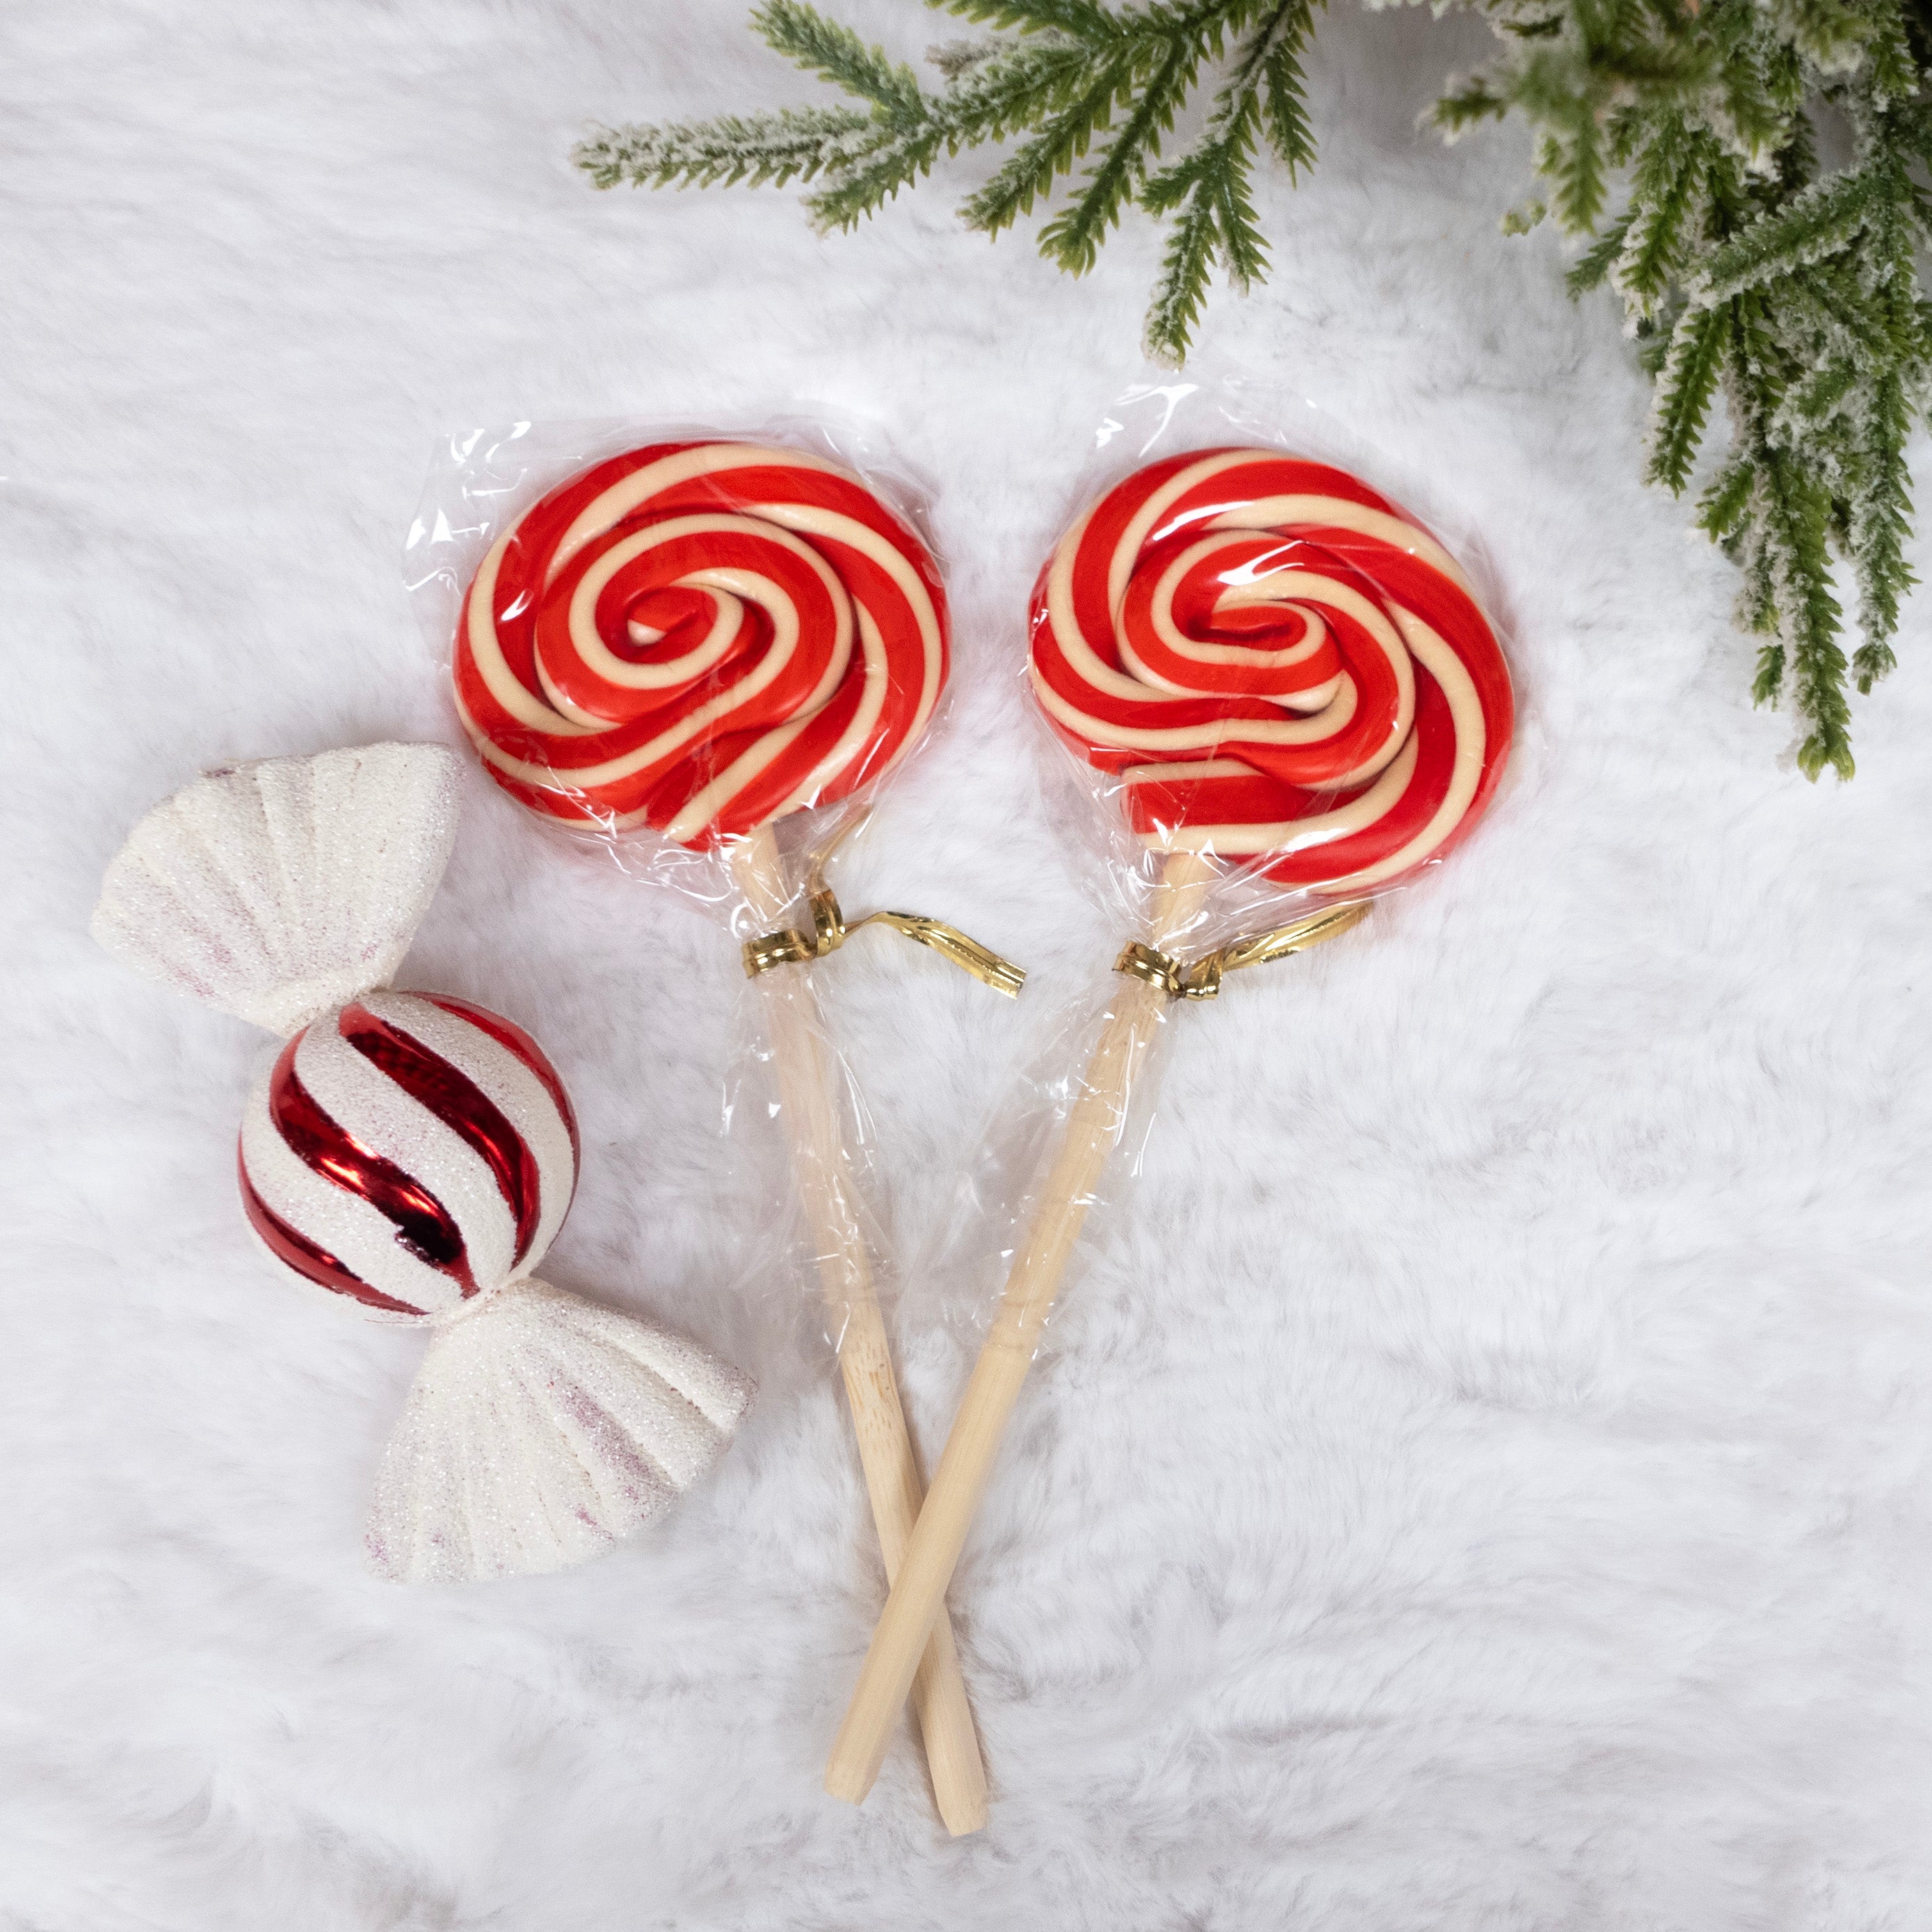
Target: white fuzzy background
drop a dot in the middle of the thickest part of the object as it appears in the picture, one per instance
(1481, 1477)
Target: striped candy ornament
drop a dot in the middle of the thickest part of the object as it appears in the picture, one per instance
(700, 637)
(410, 1151)
(1284, 667)
(416, 1155)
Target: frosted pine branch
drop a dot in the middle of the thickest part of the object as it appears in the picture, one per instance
(1673, 137)
(794, 144)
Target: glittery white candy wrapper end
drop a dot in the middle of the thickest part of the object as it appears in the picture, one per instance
(278, 889)
(540, 1429)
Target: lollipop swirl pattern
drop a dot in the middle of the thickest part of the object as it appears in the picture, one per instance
(700, 637)
(1284, 667)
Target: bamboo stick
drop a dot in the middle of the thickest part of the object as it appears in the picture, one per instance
(822, 1169)
(1093, 1129)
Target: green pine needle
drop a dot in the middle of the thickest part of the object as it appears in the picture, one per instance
(1073, 237)
(1818, 222)
(1077, 17)
(1592, 267)
(1186, 266)
(1720, 510)
(822, 46)
(1063, 138)
(794, 144)
(1684, 393)
(1290, 133)
(1209, 184)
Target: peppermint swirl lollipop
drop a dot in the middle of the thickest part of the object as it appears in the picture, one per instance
(1288, 671)
(1285, 667)
(700, 637)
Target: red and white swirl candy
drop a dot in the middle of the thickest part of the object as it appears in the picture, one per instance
(416, 1155)
(700, 637)
(410, 1151)
(1286, 668)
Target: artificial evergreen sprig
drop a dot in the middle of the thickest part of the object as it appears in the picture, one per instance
(1746, 272)
(1071, 82)
(1676, 135)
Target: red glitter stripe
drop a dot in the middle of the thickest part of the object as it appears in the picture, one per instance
(460, 1104)
(513, 1040)
(307, 1257)
(424, 1227)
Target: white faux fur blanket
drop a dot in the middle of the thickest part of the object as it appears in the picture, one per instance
(1480, 1479)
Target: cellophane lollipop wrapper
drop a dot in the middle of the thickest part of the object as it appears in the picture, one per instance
(1185, 587)
(703, 653)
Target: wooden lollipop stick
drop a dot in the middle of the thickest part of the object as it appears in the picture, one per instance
(825, 1183)
(1093, 1129)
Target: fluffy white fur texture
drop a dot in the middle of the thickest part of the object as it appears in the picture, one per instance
(1480, 1480)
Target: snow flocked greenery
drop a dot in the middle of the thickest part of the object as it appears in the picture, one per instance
(1680, 139)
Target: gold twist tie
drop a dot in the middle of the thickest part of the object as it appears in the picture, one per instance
(1202, 979)
(829, 931)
